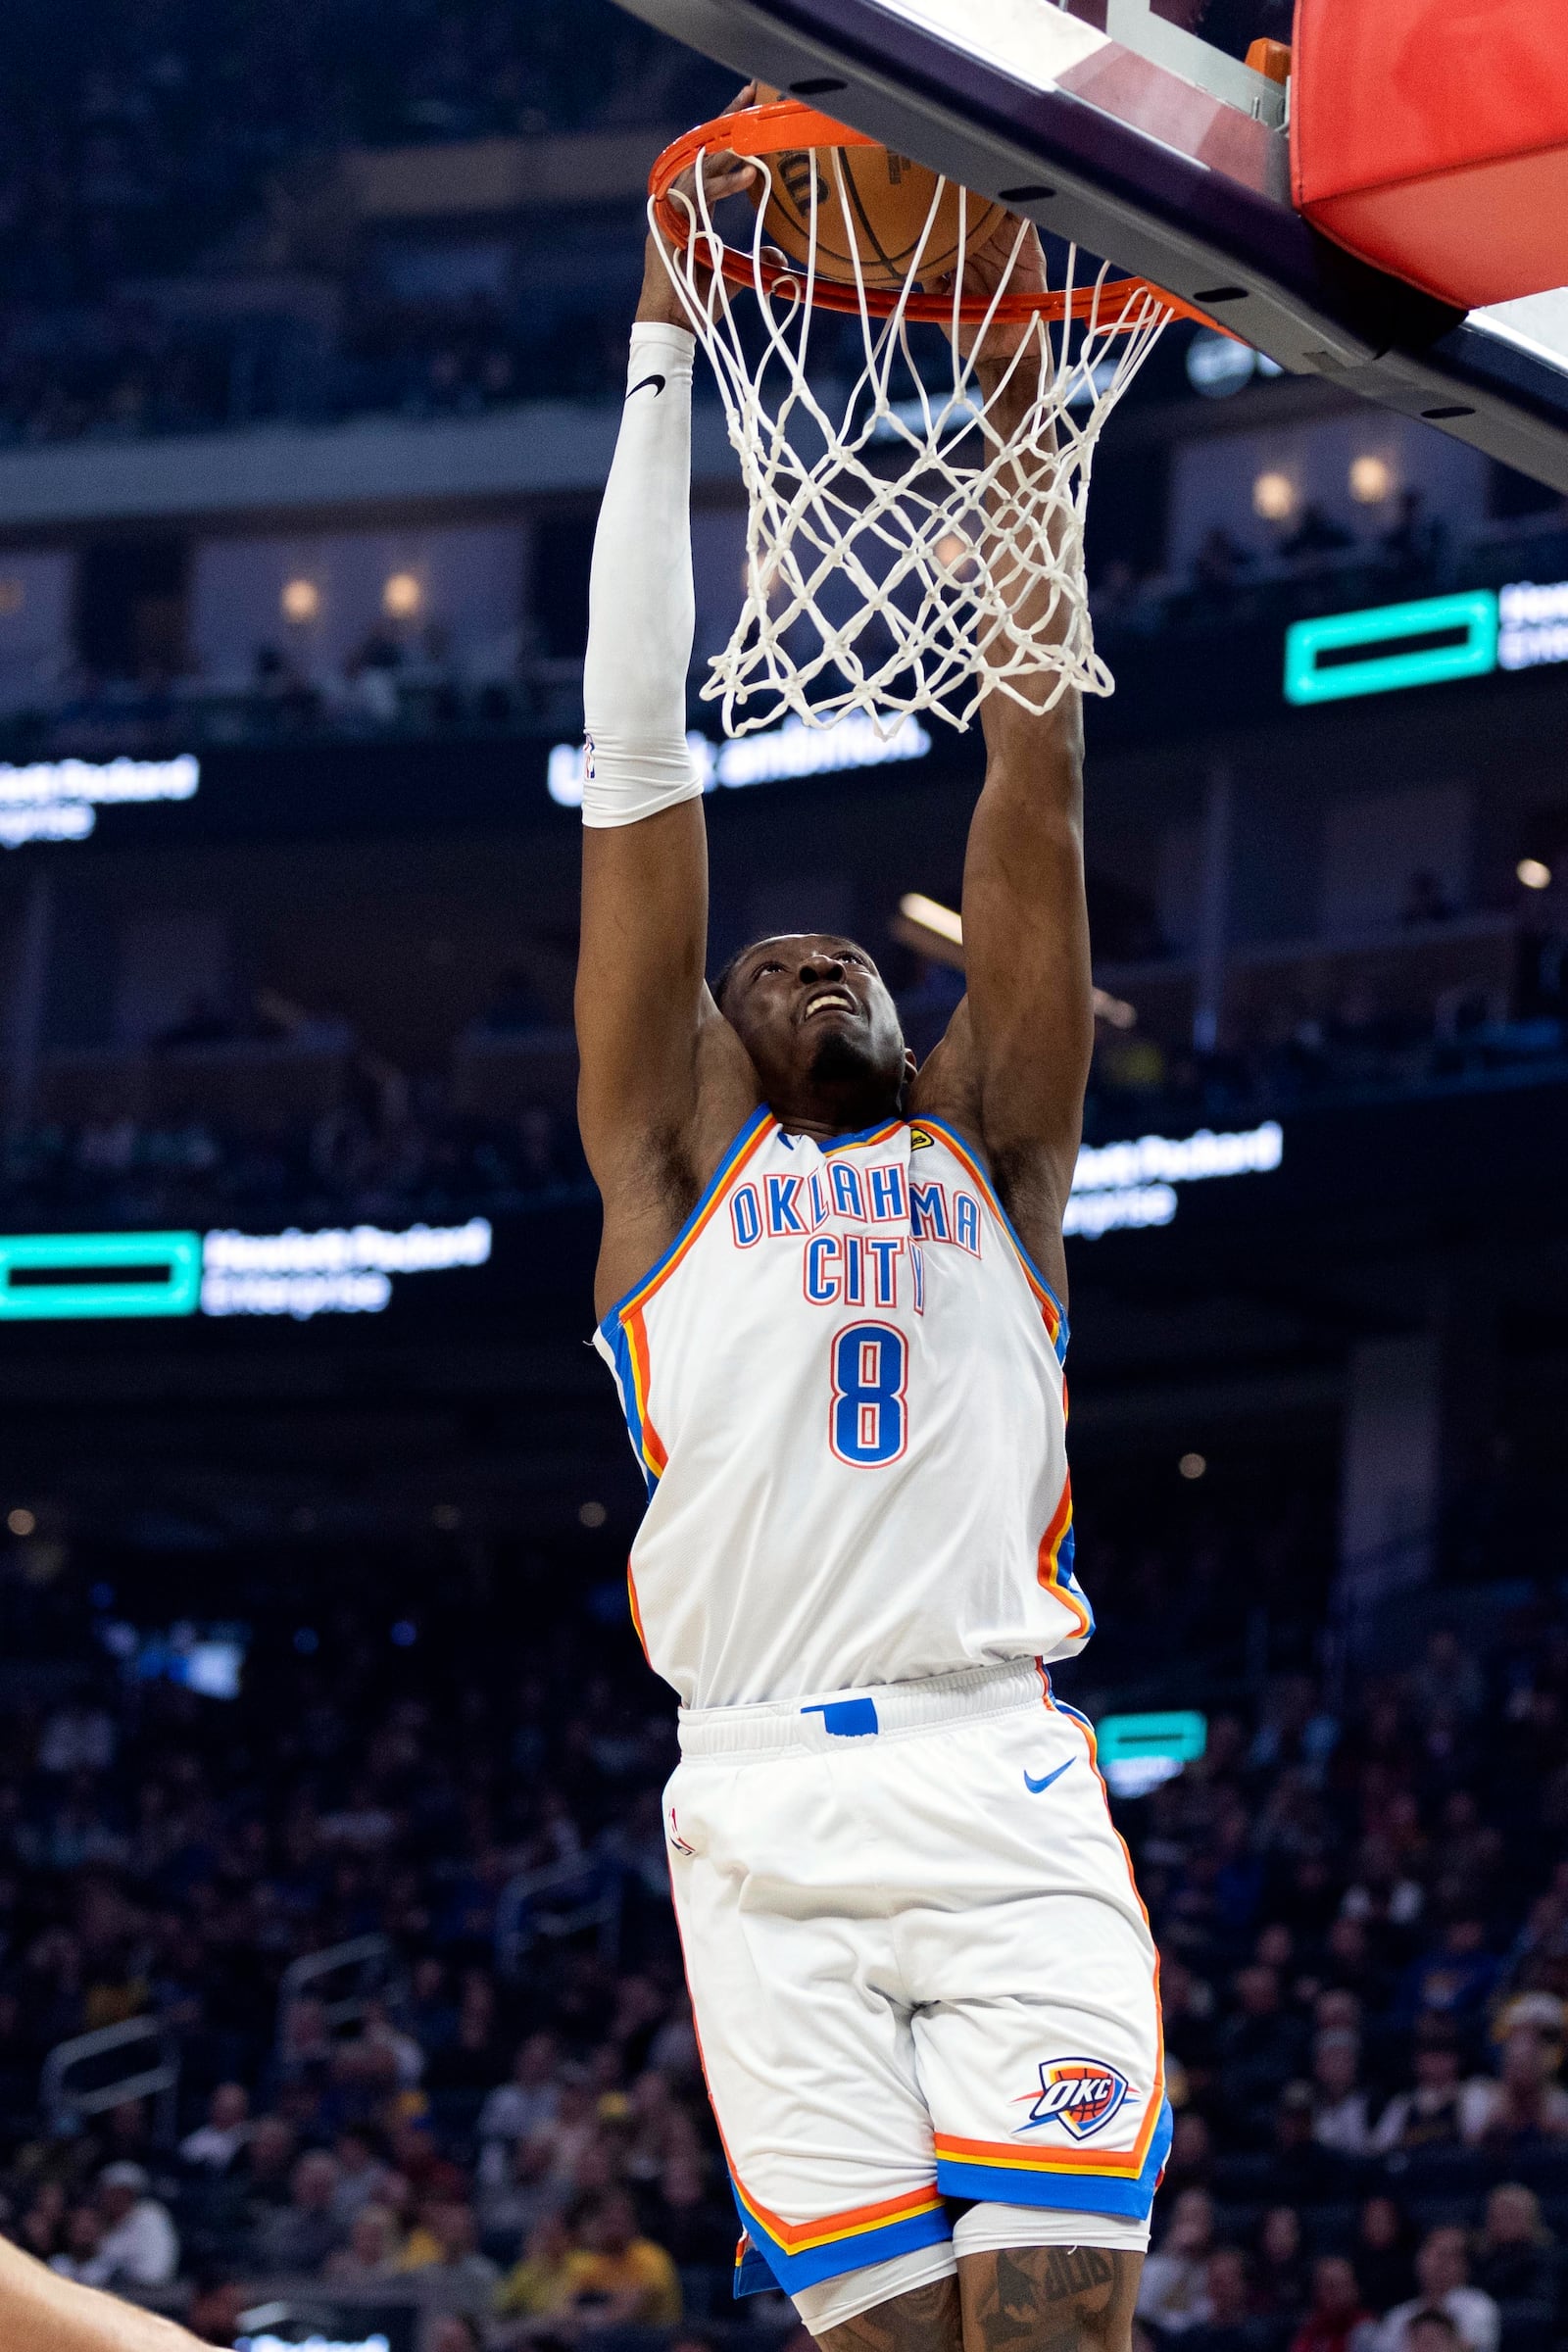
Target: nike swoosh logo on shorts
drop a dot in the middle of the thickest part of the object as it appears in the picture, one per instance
(658, 382)
(1035, 1787)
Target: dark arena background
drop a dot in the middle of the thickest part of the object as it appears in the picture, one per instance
(334, 1899)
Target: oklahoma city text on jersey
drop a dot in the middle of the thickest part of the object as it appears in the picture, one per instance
(844, 1384)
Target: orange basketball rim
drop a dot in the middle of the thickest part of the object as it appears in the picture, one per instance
(762, 130)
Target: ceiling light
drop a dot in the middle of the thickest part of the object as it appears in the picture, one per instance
(401, 596)
(927, 926)
(1192, 1465)
(932, 915)
(301, 600)
(1274, 496)
(1371, 481)
(20, 1521)
(1532, 874)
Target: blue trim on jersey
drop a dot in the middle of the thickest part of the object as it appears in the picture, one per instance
(765, 2265)
(752, 2273)
(952, 1136)
(1062, 1708)
(625, 1382)
(1066, 1555)
(1065, 2191)
(715, 1184)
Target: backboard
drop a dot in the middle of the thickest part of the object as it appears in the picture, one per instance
(1112, 123)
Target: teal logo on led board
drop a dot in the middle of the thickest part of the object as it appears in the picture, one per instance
(1394, 646)
(1138, 1753)
(69, 1277)
(60, 1277)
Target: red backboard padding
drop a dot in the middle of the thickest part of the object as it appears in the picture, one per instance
(1431, 137)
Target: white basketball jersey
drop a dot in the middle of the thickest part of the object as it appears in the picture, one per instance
(844, 1384)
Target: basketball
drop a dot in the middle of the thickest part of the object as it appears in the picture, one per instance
(890, 201)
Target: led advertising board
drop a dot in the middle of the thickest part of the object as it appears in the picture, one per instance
(783, 755)
(1466, 635)
(1122, 1185)
(57, 800)
(64, 1277)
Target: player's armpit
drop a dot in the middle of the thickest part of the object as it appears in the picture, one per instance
(640, 982)
(1026, 936)
(1049, 2299)
(663, 1083)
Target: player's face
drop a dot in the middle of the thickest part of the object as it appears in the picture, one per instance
(814, 1013)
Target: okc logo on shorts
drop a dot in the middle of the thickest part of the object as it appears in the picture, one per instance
(1082, 2095)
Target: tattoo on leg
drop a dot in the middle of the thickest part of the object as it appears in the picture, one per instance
(1049, 2299)
(925, 2320)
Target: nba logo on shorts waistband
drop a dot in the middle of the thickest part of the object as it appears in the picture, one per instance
(1082, 2095)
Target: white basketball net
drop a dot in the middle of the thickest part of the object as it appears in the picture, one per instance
(893, 541)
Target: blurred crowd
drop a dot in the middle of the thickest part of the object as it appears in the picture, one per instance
(494, 2108)
(1363, 1922)
(1360, 1893)
(1356, 1052)
(161, 143)
(138, 135)
(142, 362)
(346, 1166)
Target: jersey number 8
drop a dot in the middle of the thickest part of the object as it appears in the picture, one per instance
(867, 1422)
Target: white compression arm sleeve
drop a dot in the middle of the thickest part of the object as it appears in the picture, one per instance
(641, 607)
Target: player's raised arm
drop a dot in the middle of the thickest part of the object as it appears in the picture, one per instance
(659, 1065)
(1019, 1050)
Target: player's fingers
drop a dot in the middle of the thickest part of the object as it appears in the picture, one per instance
(736, 172)
(1031, 252)
(1013, 249)
(725, 172)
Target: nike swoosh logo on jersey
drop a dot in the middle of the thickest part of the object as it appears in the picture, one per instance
(1035, 1787)
(658, 382)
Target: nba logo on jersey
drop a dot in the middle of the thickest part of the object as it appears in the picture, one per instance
(1080, 2094)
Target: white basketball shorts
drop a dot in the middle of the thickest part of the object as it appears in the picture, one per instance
(919, 1965)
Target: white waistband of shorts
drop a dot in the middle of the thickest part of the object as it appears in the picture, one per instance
(838, 1719)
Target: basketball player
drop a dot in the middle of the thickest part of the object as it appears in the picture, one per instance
(831, 1288)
